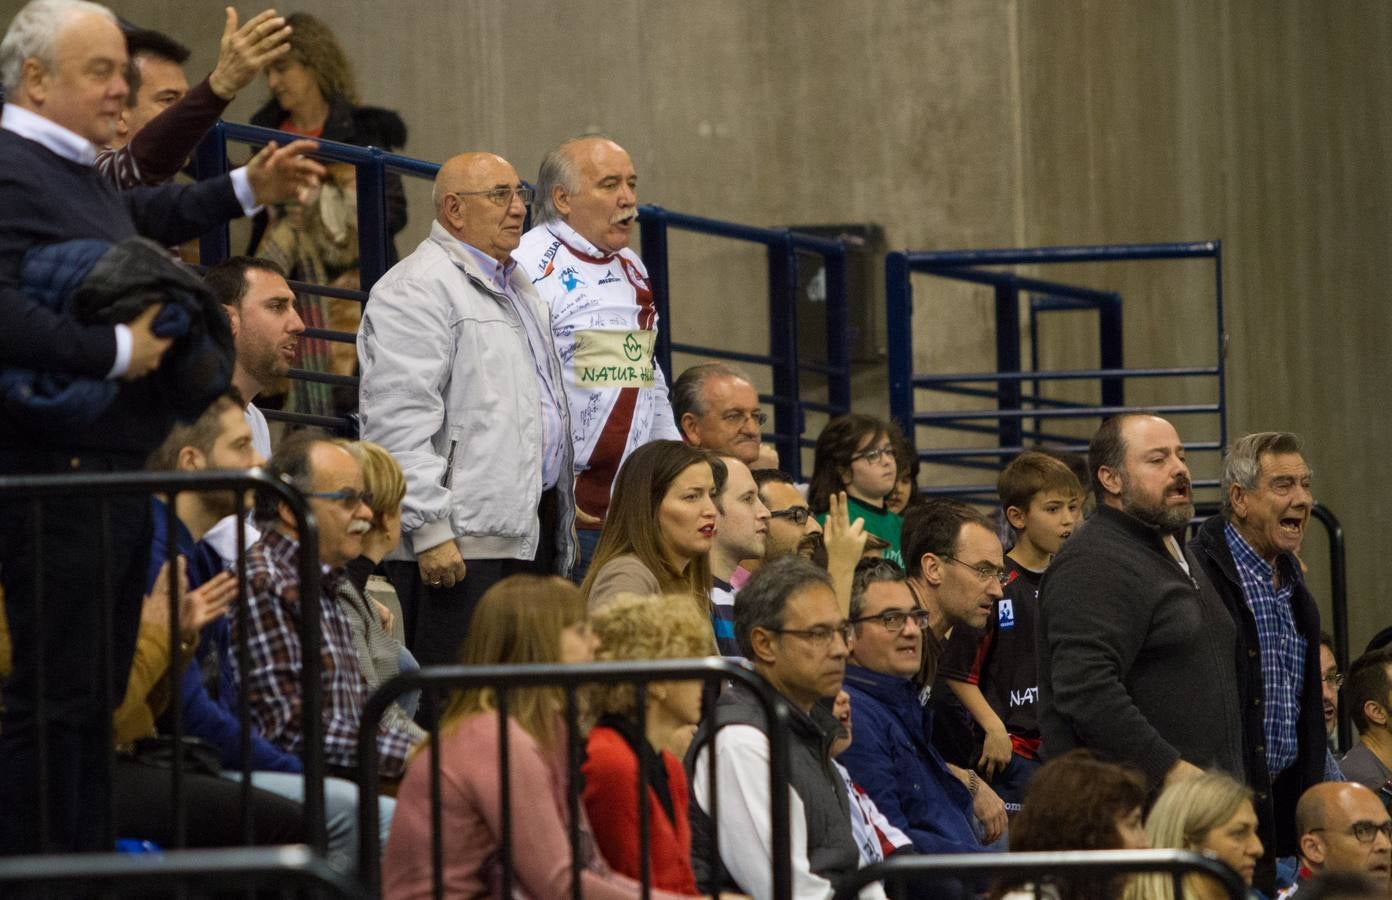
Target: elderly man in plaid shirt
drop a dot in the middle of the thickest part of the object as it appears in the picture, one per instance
(333, 482)
(1249, 553)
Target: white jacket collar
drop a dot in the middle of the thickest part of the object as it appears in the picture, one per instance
(49, 134)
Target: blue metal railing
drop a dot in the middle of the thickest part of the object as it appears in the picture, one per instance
(784, 245)
(783, 357)
(1014, 408)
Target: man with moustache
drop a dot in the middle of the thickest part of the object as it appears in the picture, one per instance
(602, 316)
(1136, 650)
(1248, 552)
(461, 384)
(332, 481)
(893, 758)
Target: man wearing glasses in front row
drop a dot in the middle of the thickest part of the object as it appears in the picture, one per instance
(1343, 828)
(461, 383)
(954, 560)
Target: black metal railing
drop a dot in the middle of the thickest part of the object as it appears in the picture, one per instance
(431, 681)
(1033, 871)
(104, 487)
(278, 869)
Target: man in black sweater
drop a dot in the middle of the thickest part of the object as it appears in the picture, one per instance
(62, 63)
(1136, 649)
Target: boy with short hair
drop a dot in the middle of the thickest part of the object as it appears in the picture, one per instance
(994, 672)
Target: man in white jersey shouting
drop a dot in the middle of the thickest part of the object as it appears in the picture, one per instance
(602, 316)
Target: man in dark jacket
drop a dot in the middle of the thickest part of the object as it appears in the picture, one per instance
(1248, 553)
(1136, 650)
(62, 65)
(892, 756)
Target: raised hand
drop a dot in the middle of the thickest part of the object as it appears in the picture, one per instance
(245, 51)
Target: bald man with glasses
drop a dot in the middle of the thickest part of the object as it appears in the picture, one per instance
(462, 385)
(1343, 827)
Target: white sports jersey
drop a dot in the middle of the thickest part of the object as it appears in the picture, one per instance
(605, 327)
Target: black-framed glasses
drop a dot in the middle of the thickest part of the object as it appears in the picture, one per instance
(501, 196)
(1335, 680)
(820, 637)
(1364, 832)
(984, 571)
(735, 418)
(348, 498)
(874, 454)
(894, 620)
(799, 514)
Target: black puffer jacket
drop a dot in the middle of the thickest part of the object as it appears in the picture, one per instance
(363, 126)
(96, 282)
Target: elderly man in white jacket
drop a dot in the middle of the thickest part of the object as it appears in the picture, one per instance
(461, 382)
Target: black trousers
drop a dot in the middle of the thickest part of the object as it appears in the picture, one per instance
(212, 809)
(437, 619)
(58, 600)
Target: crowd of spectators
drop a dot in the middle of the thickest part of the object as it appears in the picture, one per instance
(1069, 671)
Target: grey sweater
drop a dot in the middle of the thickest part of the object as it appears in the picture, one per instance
(1136, 657)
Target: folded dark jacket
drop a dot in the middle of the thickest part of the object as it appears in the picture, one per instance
(96, 282)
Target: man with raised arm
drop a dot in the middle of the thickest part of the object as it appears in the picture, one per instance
(63, 65)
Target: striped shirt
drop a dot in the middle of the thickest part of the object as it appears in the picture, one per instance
(1282, 647)
(723, 618)
(273, 681)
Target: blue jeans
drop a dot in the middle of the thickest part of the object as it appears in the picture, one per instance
(587, 539)
(340, 811)
(1009, 783)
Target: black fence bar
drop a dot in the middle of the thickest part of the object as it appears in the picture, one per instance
(900, 871)
(38, 488)
(711, 670)
(141, 875)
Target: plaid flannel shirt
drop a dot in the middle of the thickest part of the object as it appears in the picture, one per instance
(1282, 648)
(273, 683)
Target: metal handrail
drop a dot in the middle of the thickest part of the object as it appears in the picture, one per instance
(901, 870)
(1013, 406)
(222, 870)
(170, 484)
(712, 670)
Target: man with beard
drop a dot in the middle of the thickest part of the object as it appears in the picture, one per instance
(1137, 653)
(1248, 551)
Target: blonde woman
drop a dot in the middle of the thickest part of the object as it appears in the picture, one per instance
(1209, 813)
(634, 627)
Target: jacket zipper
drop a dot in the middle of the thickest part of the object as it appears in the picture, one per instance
(449, 465)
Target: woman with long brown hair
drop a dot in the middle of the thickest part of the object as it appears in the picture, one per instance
(522, 619)
(660, 527)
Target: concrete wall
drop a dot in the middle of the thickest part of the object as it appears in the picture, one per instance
(970, 123)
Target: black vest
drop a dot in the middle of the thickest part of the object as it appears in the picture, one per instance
(831, 849)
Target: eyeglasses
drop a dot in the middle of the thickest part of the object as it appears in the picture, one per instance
(820, 637)
(1336, 680)
(1364, 832)
(894, 620)
(985, 571)
(874, 454)
(734, 418)
(348, 498)
(501, 196)
(799, 514)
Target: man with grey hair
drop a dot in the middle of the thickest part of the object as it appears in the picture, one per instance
(716, 407)
(790, 626)
(602, 316)
(63, 65)
(461, 383)
(1127, 623)
(1248, 551)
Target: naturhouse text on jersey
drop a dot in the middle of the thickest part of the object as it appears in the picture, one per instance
(608, 359)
